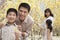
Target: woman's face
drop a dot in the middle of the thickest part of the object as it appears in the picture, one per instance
(47, 14)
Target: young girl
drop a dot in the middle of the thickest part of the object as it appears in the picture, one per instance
(48, 15)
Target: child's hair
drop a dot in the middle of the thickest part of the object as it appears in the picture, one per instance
(12, 10)
(49, 25)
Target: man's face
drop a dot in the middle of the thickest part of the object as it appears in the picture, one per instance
(23, 12)
(11, 17)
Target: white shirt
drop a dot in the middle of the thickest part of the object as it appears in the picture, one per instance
(8, 32)
(45, 27)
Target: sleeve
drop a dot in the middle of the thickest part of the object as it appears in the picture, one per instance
(0, 34)
(28, 31)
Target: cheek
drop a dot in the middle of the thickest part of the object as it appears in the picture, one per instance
(47, 14)
(26, 14)
(8, 17)
(15, 17)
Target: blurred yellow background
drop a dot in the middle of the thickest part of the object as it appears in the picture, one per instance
(37, 9)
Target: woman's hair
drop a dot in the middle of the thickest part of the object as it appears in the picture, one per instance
(49, 25)
(48, 10)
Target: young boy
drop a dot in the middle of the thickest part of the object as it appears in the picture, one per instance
(10, 31)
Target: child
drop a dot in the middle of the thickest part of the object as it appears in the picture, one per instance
(9, 31)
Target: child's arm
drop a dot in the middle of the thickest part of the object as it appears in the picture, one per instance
(17, 33)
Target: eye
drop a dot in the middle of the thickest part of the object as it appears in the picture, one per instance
(25, 12)
(14, 14)
(9, 14)
(20, 11)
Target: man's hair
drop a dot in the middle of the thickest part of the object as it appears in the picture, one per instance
(25, 5)
(49, 24)
(12, 10)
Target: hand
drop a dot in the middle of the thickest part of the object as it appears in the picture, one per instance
(23, 34)
(19, 28)
(1, 25)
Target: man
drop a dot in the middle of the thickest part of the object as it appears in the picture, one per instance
(24, 19)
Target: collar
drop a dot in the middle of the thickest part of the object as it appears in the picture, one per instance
(7, 24)
(25, 21)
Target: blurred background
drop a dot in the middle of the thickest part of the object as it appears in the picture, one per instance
(37, 12)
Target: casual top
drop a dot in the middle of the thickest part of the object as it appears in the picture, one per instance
(45, 27)
(26, 24)
(8, 32)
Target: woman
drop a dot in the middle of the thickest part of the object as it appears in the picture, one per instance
(48, 15)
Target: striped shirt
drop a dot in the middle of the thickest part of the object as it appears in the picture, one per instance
(8, 32)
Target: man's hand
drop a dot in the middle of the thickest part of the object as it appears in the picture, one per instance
(1, 25)
(23, 34)
(19, 28)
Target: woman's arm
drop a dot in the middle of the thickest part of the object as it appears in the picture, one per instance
(48, 34)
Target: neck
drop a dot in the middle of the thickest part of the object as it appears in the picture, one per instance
(47, 16)
(10, 23)
(21, 20)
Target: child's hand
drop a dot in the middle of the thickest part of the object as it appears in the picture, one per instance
(17, 33)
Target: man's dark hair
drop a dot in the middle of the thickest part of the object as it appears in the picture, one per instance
(12, 10)
(48, 10)
(49, 25)
(25, 5)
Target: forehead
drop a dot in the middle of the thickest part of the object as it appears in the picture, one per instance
(23, 9)
(11, 13)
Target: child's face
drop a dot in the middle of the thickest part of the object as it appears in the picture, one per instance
(11, 17)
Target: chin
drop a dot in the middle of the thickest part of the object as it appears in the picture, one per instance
(22, 19)
(11, 21)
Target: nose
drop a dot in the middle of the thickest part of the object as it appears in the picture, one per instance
(22, 13)
(11, 16)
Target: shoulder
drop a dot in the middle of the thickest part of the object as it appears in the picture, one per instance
(51, 18)
(30, 19)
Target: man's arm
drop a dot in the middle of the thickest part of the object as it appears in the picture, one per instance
(1, 25)
(27, 33)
